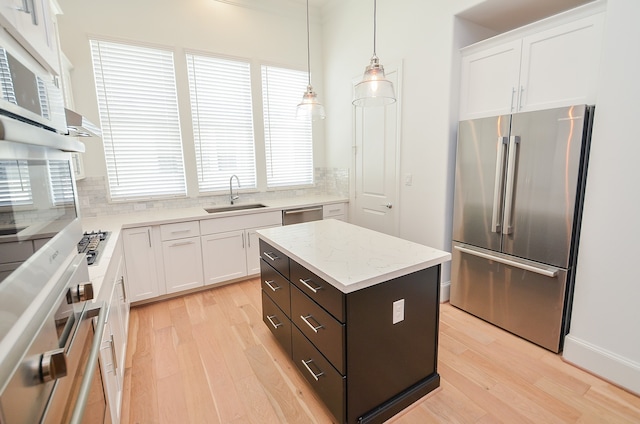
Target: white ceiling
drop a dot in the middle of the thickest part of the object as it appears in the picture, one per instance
(505, 15)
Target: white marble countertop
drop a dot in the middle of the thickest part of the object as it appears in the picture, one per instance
(351, 257)
(115, 223)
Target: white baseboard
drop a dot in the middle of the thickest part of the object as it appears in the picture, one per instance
(445, 291)
(607, 365)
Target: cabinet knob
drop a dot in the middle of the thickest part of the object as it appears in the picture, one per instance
(53, 365)
(80, 293)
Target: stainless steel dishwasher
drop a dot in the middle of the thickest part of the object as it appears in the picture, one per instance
(295, 216)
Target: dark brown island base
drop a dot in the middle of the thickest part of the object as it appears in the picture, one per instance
(357, 311)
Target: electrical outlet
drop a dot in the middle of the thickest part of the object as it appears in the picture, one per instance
(398, 311)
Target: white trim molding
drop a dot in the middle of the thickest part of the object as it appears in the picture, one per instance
(605, 364)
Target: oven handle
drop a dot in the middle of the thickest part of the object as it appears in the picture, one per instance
(85, 387)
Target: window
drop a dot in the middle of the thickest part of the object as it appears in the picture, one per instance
(138, 106)
(15, 186)
(288, 141)
(221, 110)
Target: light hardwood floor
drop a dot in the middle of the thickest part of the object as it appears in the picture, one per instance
(208, 358)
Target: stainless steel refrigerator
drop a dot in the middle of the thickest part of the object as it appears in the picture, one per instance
(519, 188)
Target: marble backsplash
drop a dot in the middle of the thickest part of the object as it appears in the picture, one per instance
(93, 195)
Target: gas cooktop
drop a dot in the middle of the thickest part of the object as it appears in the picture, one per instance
(90, 243)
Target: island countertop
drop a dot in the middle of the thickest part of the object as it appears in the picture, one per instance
(351, 257)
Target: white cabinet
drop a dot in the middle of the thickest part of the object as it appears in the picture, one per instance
(181, 256)
(139, 250)
(114, 340)
(230, 245)
(539, 69)
(31, 23)
(335, 211)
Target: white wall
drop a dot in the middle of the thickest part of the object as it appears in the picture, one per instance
(277, 37)
(605, 326)
(424, 38)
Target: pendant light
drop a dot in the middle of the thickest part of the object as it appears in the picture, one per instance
(374, 89)
(309, 108)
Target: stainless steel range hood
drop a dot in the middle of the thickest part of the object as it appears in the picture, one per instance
(79, 126)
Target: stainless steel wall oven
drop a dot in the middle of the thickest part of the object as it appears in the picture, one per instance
(48, 350)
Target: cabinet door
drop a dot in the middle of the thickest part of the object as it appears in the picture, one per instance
(490, 81)
(253, 250)
(560, 65)
(224, 257)
(182, 259)
(141, 264)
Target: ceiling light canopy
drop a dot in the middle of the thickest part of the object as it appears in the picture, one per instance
(374, 89)
(309, 108)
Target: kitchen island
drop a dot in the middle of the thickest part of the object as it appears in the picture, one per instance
(357, 311)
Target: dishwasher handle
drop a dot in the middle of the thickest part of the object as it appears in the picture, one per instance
(297, 211)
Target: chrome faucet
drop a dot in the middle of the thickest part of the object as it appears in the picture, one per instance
(231, 196)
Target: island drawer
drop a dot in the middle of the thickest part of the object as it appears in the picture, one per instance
(277, 322)
(323, 293)
(275, 258)
(276, 287)
(324, 331)
(328, 383)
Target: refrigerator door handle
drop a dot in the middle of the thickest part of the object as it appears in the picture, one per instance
(550, 272)
(497, 185)
(507, 228)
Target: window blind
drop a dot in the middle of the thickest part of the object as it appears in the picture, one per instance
(221, 111)
(15, 186)
(138, 107)
(288, 141)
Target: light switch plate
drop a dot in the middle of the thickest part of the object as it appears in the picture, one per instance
(398, 311)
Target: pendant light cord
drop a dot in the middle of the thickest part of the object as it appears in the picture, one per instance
(374, 27)
(308, 47)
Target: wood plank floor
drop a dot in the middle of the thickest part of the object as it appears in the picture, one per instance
(208, 358)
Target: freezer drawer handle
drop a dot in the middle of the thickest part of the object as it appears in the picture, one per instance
(313, 374)
(497, 185)
(547, 272)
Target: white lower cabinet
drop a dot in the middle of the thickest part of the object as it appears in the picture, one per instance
(114, 339)
(337, 211)
(181, 256)
(224, 256)
(141, 263)
(253, 250)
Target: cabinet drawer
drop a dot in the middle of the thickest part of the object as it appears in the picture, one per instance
(323, 330)
(275, 258)
(277, 322)
(275, 286)
(328, 383)
(332, 210)
(323, 293)
(179, 230)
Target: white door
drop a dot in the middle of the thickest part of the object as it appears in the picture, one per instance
(376, 155)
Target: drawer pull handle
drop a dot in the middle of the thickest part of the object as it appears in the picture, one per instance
(270, 318)
(315, 328)
(306, 283)
(313, 374)
(271, 256)
(269, 284)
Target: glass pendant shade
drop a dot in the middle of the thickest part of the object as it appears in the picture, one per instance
(310, 108)
(374, 89)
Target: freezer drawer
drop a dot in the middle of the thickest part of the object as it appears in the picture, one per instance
(520, 296)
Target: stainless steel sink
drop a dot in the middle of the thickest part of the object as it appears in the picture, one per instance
(218, 209)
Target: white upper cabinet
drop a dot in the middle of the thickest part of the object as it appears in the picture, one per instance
(32, 24)
(545, 65)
